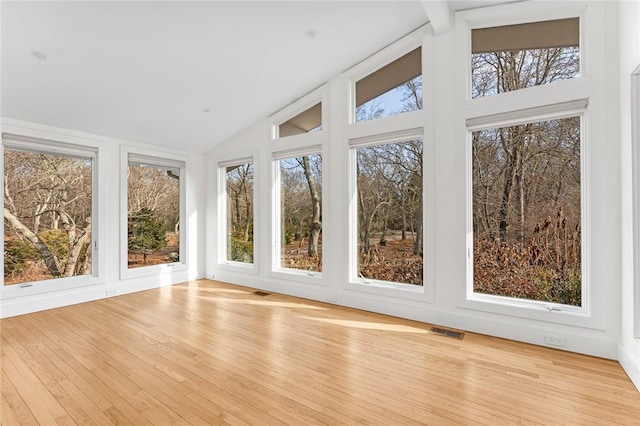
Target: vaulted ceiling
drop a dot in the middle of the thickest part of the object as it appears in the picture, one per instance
(184, 74)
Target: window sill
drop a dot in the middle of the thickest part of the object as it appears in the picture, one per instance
(229, 265)
(39, 287)
(390, 289)
(145, 271)
(539, 311)
(307, 277)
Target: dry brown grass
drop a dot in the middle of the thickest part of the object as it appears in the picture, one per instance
(547, 268)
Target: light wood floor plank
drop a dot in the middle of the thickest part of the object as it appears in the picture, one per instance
(13, 409)
(209, 353)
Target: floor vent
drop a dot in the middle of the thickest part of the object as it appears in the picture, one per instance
(447, 333)
(261, 293)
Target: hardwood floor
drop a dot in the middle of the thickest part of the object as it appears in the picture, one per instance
(208, 353)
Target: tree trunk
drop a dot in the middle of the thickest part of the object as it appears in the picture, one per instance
(248, 212)
(49, 258)
(75, 248)
(512, 152)
(417, 243)
(364, 224)
(316, 226)
(520, 195)
(403, 207)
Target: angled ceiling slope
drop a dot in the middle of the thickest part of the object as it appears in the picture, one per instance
(188, 74)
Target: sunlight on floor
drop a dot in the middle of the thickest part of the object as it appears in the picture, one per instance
(275, 304)
(370, 325)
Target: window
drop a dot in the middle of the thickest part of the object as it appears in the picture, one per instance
(526, 190)
(154, 200)
(514, 57)
(393, 89)
(48, 210)
(389, 205)
(239, 212)
(530, 154)
(299, 210)
(309, 120)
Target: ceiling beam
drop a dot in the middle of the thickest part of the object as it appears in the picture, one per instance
(439, 15)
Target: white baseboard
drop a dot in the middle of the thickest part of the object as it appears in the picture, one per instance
(10, 307)
(577, 339)
(630, 363)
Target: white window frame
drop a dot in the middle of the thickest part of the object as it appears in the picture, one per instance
(277, 270)
(357, 282)
(554, 112)
(514, 14)
(75, 148)
(554, 100)
(295, 146)
(635, 144)
(417, 38)
(162, 159)
(222, 214)
(389, 129)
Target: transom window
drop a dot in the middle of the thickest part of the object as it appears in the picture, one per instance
(309, 120)
(514, 57)
(393, 89)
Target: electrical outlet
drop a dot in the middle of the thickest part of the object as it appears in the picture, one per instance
(111, 292)
(332, 298)
(557, 341)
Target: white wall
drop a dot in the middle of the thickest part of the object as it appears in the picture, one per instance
(16, 300)
(445, 232)
(629, 30)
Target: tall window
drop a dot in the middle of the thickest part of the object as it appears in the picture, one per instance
(514, 57)
(526, 176)
(393, 89)
(389, 211)
(299, 211)
(527, 211)
(48, 211)
(239, 215)
(153, 211)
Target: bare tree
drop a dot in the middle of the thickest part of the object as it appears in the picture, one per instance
(314, 193)
(239, 181)
(48, 191)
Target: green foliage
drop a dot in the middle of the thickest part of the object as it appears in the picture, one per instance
(570, 289)
(16, 254)
(145, 232)
(57, 241)
(288, 238)
(241, 251)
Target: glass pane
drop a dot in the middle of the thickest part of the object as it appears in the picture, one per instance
(526, 211)
(301, 213)
(390, 224)
(240, 213)
(403, 98)
(393, 89)
(515, 57)
(153, 212)
(47, 227)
